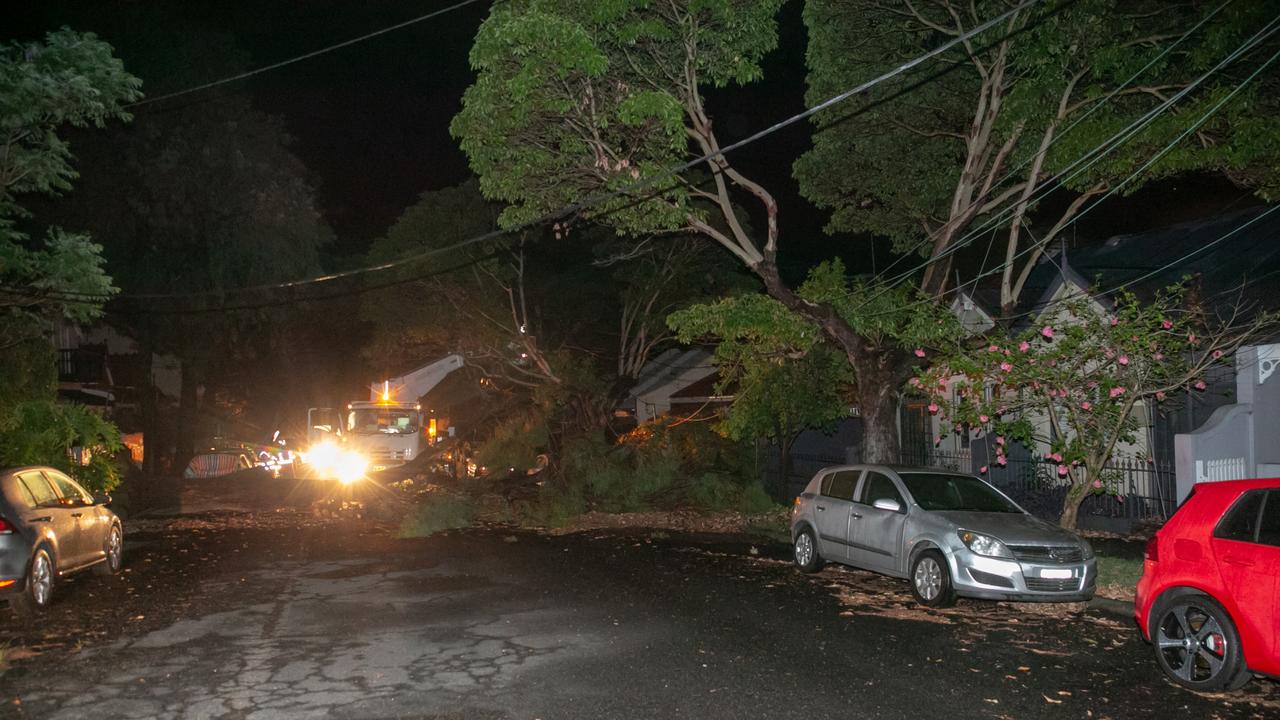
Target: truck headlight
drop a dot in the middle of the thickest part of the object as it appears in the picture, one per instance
(984, 544)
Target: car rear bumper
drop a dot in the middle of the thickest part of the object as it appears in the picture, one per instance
(15, 553)
(978, 576)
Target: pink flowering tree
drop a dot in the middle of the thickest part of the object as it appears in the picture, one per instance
(1072, 382)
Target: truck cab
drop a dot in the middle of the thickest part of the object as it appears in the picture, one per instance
(386, 433)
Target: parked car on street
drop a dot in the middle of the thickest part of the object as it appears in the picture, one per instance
(1209, 596)
(51, 527)
(949, 533)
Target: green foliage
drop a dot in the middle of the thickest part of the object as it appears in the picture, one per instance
(659, 466)
(894, 170)
(437, 512)
(40, 432)
(574, 98)
(71, 79)
(787, 376)
(516, 442)
(1072, 382)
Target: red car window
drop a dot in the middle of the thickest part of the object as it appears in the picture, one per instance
(1240, 522)
(1269, 527)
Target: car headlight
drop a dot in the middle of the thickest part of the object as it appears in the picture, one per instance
(1086, 549)
(984, 544)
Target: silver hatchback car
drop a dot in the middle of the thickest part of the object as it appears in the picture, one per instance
(949, 533)
(51, 527)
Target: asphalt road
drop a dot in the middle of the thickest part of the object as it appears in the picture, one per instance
(335, 621)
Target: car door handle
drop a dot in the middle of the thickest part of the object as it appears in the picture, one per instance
(855, 515)
(1238, 562)
(46, 518)
(77, 514)
(821, 507)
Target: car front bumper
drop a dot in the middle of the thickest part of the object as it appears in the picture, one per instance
(988, 578)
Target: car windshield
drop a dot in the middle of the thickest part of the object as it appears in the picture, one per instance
(935, 491)
(383, 420)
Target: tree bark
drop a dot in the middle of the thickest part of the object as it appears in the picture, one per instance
(783, 483)
(878, 371)
(147, 400)
(1071, 507)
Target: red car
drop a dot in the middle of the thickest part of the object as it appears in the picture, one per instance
(1209, 597)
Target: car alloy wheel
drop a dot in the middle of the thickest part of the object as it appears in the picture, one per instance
(41, 579)
(115, 549)
(804, 549)
(1198, 646)
(928, 578)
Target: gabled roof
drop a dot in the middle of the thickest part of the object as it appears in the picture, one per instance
(668, 368)
(1226, 254)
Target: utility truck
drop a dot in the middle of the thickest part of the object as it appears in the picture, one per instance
(388, 429)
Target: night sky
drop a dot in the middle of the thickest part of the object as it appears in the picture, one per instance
(370, 121)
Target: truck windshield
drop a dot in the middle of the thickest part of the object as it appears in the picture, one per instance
(383, 420)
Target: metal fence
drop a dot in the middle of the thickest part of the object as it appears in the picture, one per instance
(1139, 491)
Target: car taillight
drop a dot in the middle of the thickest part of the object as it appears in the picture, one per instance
(5, 527)
(1152, 551)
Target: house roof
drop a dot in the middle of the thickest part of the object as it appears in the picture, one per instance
(672, 369)
(1230, 256)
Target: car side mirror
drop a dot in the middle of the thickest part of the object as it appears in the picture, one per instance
(102, 499)
(887, 504)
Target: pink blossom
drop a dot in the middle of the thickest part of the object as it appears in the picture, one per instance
(1158, 357)
(1006, 366)
(1123, 359)
(1159, 395)
(982, 470)
(1031, 361)
(1199, 385)
(1191, 338)
(1166, 324)
(1062, 392)
(1062, 471)
(1053, 393)
(1086, 405)
(993, 348)
(1097, 483)
(1075, 463)
(999, 439)
(1002, 460)
(1115, 322)
(983, 419)
(1217, 354)
(1047, 331)
(919, 352)
(933, 408)
(1002, 411)
(1151, 461)
(1048, 456)
(1007, 352)
(1024, 346)
(1056, 457)
(1116, 392)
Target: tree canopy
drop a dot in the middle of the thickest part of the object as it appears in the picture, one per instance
(975, 138)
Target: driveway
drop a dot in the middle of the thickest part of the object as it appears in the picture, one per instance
(337, 620)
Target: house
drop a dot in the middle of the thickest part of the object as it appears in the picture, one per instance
(679, 380)
(1228, 259)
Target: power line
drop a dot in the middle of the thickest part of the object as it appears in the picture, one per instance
(1075, 122)
(629, 189)
(1115, 141)
(304, 56)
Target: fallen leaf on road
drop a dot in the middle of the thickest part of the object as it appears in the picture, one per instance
(1051, 700)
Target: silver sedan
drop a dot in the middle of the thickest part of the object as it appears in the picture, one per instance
(949, 533)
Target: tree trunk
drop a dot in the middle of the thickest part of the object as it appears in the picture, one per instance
(879, 372)
(187, 414)
(783, 483)
(150, 419)
(878, 406)
(1071, 507)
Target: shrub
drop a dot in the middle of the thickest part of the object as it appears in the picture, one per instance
(436, 512)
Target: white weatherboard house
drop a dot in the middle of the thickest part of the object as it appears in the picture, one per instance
(665, 376)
